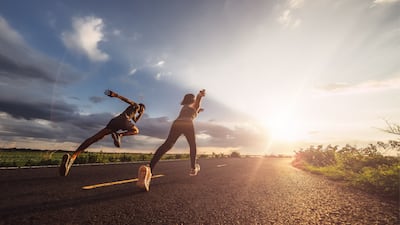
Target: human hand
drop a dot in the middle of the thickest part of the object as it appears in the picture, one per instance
(110, 93)
(202, 92)
(200, 110)
(142, 107)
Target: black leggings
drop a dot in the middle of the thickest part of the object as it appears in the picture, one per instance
(178, 128)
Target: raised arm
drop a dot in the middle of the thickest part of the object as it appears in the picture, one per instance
(114, 94)
(197, 102)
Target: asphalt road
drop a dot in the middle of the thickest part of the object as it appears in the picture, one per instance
(226, 191)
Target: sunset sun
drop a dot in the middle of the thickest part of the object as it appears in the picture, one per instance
(284, 127)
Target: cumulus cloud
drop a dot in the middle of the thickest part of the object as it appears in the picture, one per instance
(85, 36)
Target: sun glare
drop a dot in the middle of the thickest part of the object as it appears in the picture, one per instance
(284, 128)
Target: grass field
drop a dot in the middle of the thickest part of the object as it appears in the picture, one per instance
(28, 157)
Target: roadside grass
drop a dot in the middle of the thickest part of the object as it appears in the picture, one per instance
(28, 157)
(31, 157)
(363, 168)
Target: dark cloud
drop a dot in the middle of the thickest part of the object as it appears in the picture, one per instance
(10, 68)
(19, 61)
(38, 110)
(154, 127)
(96, 99)
(239, 136)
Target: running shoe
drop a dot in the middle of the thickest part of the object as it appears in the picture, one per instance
(144, 177)
(117, 139)
(195, 171)
(65, 165)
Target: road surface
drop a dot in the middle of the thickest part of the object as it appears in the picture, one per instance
(226, 191)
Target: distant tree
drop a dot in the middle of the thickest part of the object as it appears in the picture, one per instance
(392, 128)
(235, 154)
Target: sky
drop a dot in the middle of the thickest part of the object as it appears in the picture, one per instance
(279, 75)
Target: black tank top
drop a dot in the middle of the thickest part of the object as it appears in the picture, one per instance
(187, 113)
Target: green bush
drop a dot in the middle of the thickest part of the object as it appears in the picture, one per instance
(364, 168)
(384, 179)
(125, 158)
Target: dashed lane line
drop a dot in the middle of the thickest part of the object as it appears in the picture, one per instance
(221, 165)
(116, 182)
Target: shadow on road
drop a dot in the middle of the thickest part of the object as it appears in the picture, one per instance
(66, 203)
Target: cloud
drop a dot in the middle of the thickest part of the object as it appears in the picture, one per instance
(286, 18)
(96, 99)
(20, 63)
(296, 3)
(363, 87)
(133, 71)
(385, 1)
(160, 63)
(8, 34)
(85, 36)
(31, 99)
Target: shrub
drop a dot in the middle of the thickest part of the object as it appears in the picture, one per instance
(384, 180)
(235, 154)
(365, 168)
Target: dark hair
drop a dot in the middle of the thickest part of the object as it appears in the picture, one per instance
(142, 105)
(188, 99)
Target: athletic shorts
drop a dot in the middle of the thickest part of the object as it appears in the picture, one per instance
(120, 123)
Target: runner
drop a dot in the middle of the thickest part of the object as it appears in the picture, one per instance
(182, 125)
(122, 122)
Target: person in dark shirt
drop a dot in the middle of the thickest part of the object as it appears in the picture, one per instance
(121, 122)
(182, 125)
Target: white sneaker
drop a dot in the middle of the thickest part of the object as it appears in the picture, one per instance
(193, 172)
(66, 164)
(144, 177)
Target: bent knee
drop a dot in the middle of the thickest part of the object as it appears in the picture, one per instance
(135, 130)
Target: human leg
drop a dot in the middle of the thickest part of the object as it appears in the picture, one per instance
(121, 124)
(173, 135)
(98, 136)
(68, 160)
(190, 137)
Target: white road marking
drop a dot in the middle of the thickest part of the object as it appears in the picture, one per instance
(222, 165)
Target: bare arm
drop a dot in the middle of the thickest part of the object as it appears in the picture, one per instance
(140, 113)
(197, 102)
(114, 94)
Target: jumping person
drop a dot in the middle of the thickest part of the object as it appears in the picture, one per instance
(121, 122)
(182, 125)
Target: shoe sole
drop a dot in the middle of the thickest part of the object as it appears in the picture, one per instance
(144, 176)
(197, 171)
(63, 166)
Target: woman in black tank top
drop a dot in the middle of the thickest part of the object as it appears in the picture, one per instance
(183, 125)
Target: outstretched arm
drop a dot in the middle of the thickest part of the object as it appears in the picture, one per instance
(197, 102)
(114, 94)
